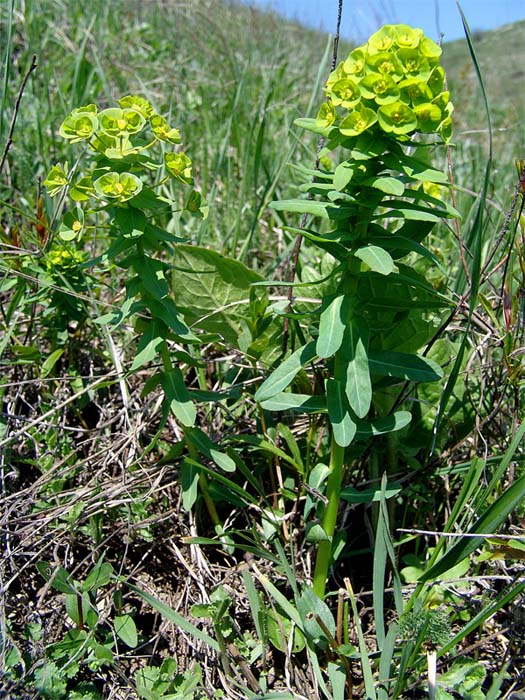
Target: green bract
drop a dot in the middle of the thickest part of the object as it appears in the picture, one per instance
(118, 187)
(408, 37)
(397, 66)
(56, 179)
(79, 126)
(327, 115)
(117, 122)
(138, 103)
(179, 165)
(397, 117)
(358, 121)
(345, 93)
(381, 88)
(355, 63)
(382, 40)
(163, 131)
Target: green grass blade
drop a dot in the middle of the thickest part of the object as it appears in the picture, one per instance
(493, 517)
(175, 617)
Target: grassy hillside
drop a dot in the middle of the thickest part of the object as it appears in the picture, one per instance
(160, 525)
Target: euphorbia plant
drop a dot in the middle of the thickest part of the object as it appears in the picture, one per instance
(132, 160)
(386, 111)
(124, 188)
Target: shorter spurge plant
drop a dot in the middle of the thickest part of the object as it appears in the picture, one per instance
(393, 81)
(125, 194)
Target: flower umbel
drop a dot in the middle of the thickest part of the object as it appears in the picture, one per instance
(398, 66)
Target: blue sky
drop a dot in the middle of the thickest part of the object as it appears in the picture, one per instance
(362, 17)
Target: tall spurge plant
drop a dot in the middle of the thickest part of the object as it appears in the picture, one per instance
(386, 111)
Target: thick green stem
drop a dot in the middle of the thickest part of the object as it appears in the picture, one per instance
(333, 491)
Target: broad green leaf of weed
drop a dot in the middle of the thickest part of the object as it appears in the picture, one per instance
(209, 449)
(301, 403)
(99, 576)
(126, 630)
(404, 366)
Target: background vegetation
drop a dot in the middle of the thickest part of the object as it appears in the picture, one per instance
(126, 573)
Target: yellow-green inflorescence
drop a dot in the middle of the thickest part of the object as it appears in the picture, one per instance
(393, 83)
(118, 133)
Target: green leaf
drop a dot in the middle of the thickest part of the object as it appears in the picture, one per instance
(152, 274)
(126, 630)
(389, 185)
(148, 345)
(58, 577)
(343, 426)
(202, 442)
(342, 175)
(176, 618)
(380, 426)
(377, 259)
(404, 212)
(178, 397)
(404, 366)
(353, 495)
(189, 482)
(212, 290)
(324, 210)
(50, 362)
(332, 325)
(130, 222)
(302, 403)
(81, 610)
(310, 607)
(280, 378)
(358, 386)
(167, 310)
(99, 576)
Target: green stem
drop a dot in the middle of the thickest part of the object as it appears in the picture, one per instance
(333, 491)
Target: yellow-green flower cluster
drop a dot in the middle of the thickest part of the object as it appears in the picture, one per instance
(393, 82)
(63, 260)
(118, 133)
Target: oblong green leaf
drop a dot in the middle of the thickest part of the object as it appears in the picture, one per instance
(343, 174)
(332, 325)
(99, 576)
(389, 185)
(178, 397)
(208, 448)
(377, 259)
(126, 630)
(358, 385)
(380, 426)
(404, 366)
(343, 426)
(324, 210)
(300, 403)
(280, 378)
